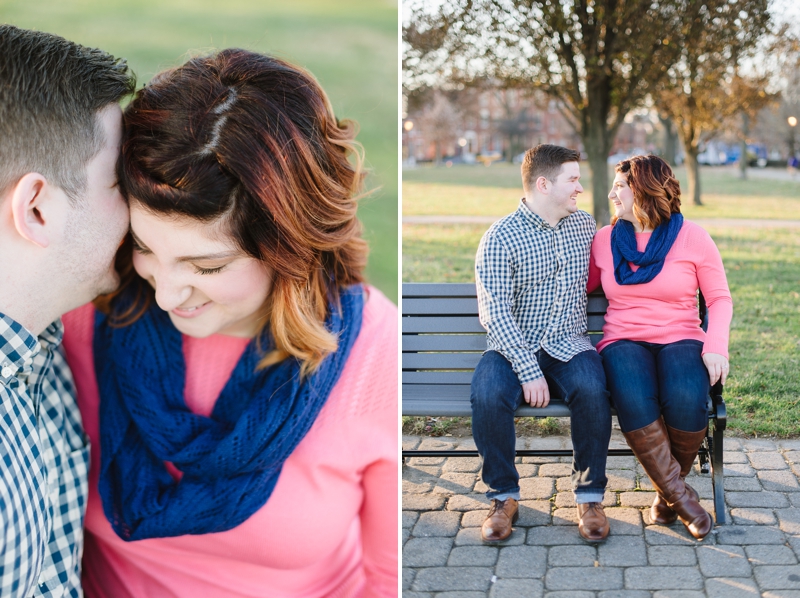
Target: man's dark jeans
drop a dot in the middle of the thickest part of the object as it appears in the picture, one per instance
(648, 381)
(496, 394)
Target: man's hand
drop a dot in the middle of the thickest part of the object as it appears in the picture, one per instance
(717, 367)
(536, 392)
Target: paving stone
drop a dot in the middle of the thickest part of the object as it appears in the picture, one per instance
(408, 577)
(472, 537)
(620, 479)
(411, 442)
(565, 516)
(480, 487)
(734, 444)
(474, 518)
(467, 444)
(410, 594)
(789, 520)
(583, 578)
(624, 594)
(788, 445)
(553, 536)
(412, 487)
(663, 578)
(671, 556)
(622, 551)
(770, 555)
(527, 470)
(764, 499)
(405, 535)
(440, 443)
(417, 461)
(624, 521)
(463, 464)
(794, 499)
(723, 561)
(674, 535)
(533, 488)
(473, 556)
(570, 594)
(437, 523)
(621, 463)
(781, 594)
(792, 456)
(469, 502)
(460, 594)
(794, 543)
(637, 499)
(778, 577)
(422, 473)
(423, 502)
(566, 499)
(439, 579)
(743, 535)
(409, 518)
(555, 470)
(742, 484)
(521, 561)
(703, 485)
(517, 588)
(533, 513)
(734, 457)
(753, 516)
(757, 444)
(779, 481)
(572, 556)
(739, 470)
(679, 594)
(455, 483)
(426, 552)
(731, 587)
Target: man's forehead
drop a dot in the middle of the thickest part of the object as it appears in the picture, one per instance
(569, 170)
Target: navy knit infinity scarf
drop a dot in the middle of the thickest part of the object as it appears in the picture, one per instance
(230, 460)
(650, 262)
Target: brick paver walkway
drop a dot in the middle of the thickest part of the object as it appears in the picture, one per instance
(756, 554)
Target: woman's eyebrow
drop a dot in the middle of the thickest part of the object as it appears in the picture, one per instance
(189, 258)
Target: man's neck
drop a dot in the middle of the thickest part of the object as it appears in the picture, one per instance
(30, 300)
(537, 208)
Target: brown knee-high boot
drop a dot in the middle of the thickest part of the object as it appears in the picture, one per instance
(652, 447)
(684, 447)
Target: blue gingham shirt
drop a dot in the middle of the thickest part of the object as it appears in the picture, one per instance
(531, 281)
(45, 465)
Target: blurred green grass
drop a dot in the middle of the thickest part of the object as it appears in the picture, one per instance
(496, 190)
(349, 45)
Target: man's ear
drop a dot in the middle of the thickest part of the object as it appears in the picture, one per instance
(542, 185)
(28, 199)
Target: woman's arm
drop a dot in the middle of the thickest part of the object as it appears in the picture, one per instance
(594, 271)
(379, 518)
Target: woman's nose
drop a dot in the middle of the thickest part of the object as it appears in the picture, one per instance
(170, 293)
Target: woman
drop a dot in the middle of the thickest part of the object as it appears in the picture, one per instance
(240, 388)
(658, 361)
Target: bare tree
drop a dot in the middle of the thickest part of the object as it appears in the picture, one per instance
(439, 121)
(597, 59)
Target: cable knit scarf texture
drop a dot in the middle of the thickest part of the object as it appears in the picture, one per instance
(231, 460)
(651, 260)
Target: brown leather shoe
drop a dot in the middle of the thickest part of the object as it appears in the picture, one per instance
(592, 522)
(502, 516)
(684, 447)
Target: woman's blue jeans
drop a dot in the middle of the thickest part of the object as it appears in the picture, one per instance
(648, 381)
(496, 394)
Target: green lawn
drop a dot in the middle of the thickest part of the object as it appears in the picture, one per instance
(495, 191)
(349, 45)
(763, 266)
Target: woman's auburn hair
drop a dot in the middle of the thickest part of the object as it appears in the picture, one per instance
(251, 142)
(656, 191)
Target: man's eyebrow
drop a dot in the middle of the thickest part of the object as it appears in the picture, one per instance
(189, 258)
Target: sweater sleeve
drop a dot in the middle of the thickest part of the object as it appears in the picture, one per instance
(379, 528)
(494, 276)
(594, 271)
(714, 286)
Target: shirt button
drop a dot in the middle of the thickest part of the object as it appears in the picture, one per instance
(6, 371)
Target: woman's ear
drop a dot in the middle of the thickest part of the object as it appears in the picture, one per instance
(30, 208)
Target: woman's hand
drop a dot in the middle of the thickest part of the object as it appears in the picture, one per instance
(717, 367)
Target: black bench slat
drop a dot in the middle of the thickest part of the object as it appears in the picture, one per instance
(410, 378)
(449, 306)
(441, 361)
(437, 289)
(441, 324)
(456, 343)
(453, 401)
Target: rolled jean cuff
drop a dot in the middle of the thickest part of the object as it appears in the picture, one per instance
(582, 498)
(503, 495)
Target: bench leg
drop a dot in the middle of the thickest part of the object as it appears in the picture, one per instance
(717, 474)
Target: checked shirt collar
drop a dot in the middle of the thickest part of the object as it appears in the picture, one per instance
(18, 347)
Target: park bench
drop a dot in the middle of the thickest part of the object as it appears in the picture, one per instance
(443, 340)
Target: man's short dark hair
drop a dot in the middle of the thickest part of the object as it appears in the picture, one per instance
(51, 90)
(545, 160)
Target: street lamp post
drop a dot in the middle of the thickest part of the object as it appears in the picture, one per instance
(792, 124)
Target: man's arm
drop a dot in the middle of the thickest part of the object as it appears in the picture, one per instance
(494, 280)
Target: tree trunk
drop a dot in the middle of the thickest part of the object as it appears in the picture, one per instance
(745, 133)
(596, 145)
(693, 173)
(438, 155)
(670, 140)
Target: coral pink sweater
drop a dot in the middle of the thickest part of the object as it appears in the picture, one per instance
(664, 310)
(330, 527)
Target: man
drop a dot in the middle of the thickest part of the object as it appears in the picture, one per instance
(531, 272)
(62, 219)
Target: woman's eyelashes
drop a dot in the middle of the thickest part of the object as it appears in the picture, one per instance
(137, 247)
(200, 270)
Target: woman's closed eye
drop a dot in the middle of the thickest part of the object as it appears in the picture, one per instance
(137, 247)
(200, 270)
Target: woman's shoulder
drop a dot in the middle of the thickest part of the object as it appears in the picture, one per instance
(79, 324)
(602, 236)
(694, 235)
